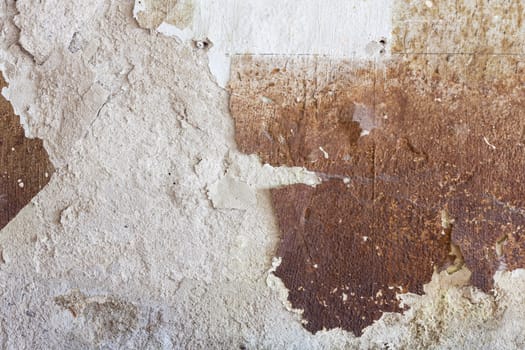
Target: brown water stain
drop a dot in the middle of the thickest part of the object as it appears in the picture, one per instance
(24, 164)
(448, 139)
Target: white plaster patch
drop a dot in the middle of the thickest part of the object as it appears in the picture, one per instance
(249, 169)
(365, 116)
(229, 193)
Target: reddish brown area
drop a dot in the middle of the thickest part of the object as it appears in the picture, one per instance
(445, 140)
(22, 160)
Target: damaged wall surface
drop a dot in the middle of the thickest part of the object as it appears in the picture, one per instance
(191, 180)
(25, 164)
(399, 152)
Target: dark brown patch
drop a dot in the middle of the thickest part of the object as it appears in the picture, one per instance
(24, 164)
(448, 140)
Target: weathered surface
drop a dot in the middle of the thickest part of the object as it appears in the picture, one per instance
(143, 145)
(434, 148)
(459, 27)
(24, 164)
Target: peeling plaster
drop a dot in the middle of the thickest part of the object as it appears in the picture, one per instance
(25, 166)
(135, 158)
(401, 175)
(319, 113)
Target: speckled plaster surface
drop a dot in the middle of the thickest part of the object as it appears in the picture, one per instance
(138, 241)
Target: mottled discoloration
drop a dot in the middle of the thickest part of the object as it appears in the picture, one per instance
(459, 27)
(24, 164)
(445, 141)
(108, 317)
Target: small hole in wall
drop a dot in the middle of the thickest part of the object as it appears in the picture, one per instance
(203, 44)
(382, 41)
(307, 213)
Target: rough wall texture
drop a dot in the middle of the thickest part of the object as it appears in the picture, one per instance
(156, 232)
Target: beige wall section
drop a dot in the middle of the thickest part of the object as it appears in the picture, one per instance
(125, 233)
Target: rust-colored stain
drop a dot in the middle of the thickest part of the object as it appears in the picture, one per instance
(24, 164)
(413, 161)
